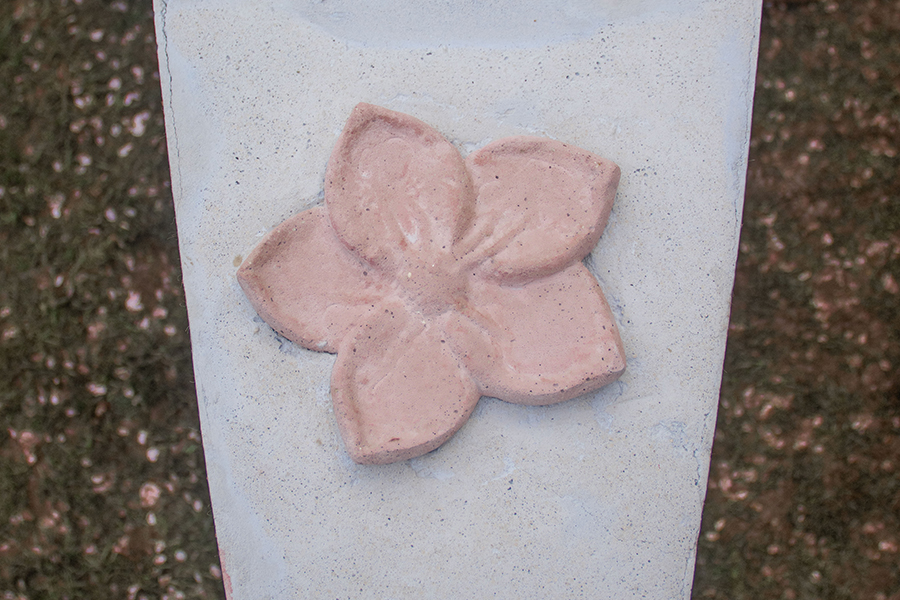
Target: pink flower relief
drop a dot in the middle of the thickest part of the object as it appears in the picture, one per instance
(439, 280)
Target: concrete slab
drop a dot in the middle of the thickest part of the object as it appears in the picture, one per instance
(598, 497)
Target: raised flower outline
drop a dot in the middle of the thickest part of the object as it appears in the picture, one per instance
(437, 280)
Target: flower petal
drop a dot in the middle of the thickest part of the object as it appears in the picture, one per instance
(306, 285)
(541, 205)
(398, 390)
(541, 343)
(396, 190)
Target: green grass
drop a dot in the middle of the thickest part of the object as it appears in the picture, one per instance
(99, 402)
(804, 498)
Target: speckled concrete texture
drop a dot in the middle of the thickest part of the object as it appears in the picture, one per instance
(597, 497)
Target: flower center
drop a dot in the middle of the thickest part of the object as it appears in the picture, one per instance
(434, 288)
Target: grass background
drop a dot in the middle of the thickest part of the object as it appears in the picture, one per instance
(102, 481)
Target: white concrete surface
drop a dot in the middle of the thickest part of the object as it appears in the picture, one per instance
(599, 497)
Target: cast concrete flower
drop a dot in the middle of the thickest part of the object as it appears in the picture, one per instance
(438, 280)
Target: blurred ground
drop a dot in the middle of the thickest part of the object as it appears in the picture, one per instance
(804, 493)
(102, 481)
